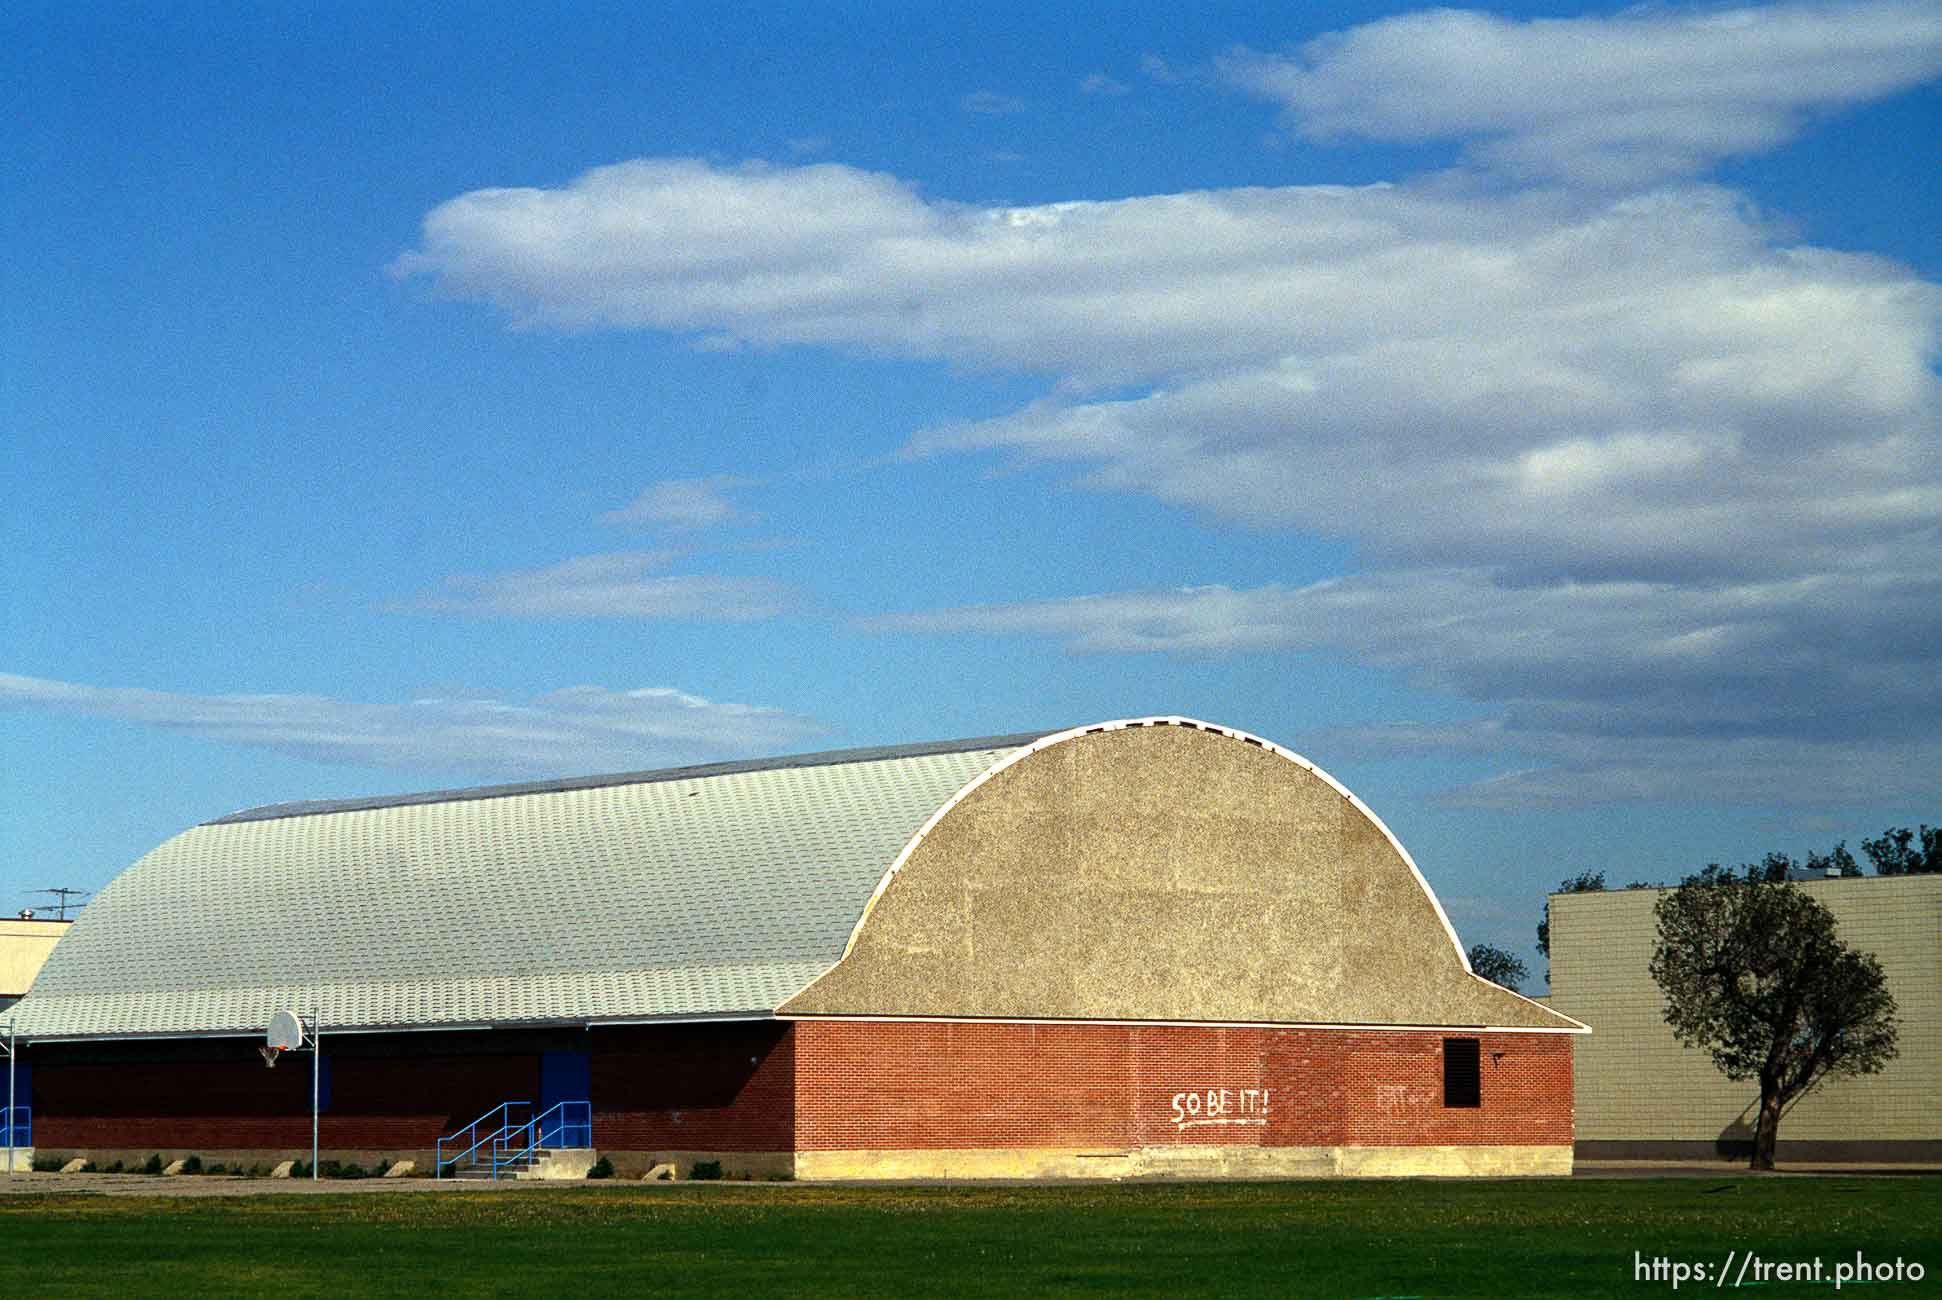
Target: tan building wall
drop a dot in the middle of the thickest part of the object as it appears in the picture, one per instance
(24, 945)
(1641, 1093)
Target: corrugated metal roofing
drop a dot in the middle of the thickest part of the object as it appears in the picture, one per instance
(701, 891)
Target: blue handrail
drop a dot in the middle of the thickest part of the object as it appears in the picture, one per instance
(571, 1125)
(21, 1119)
(504, 1112)
(566, 1124)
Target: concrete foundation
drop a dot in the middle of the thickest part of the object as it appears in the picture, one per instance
(1189, 1162)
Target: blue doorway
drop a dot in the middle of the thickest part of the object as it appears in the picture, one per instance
(566, 1083)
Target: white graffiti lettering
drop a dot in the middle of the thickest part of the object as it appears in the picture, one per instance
(1221, 1106)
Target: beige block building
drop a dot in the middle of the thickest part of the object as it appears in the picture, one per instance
(24, 945)
(1642, 1095)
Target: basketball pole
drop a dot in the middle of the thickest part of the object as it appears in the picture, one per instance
(12, 1050)
(316, 1073)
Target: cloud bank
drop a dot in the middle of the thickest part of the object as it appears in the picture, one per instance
(574, 730)
(1801, 692)
(1619, 461)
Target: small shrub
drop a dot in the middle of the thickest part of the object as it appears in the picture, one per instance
(782, 1176)
(705, 1171)
(154, 1165)
(602, 1168)
(384, 1167)
(115, 1168)
(48, 1164)
(256, 1171)
(214, 1170)
(193, 1165)
(298, 1169)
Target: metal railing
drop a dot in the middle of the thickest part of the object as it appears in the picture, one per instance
(466, 1144)
(567, 1124)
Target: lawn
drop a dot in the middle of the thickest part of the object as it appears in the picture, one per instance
(1335, 1239)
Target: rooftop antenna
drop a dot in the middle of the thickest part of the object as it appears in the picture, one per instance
(62, 894)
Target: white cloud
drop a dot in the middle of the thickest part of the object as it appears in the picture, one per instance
(1627, 99)
(1098, 83)
(686, 503)
(619, 585)
(577, 729)
(1158, 69)
(1478, 304)
(990, 103)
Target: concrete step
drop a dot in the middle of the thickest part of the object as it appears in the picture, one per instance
(562, 1164)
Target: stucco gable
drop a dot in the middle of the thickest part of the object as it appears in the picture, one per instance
(1160, 870)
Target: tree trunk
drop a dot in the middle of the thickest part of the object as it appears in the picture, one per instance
(1767, 1130)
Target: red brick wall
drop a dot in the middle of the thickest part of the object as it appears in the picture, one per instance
(891, 1085)
(1392, 1091)
(726, 1087)
(826, 1085)
(218, 1096)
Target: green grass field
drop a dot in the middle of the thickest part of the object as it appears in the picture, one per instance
(1337, 1239)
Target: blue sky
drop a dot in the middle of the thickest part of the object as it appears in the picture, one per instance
(1528, 414)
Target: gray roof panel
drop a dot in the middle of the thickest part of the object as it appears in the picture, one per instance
(688, 892)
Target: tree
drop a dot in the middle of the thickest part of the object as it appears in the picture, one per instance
(1753, 974)
(1893, 856)
(1497, 966)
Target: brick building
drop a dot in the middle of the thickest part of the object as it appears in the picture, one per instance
(1641, 1095)
(1153, 946)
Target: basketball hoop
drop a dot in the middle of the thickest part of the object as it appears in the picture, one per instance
(286, 1032)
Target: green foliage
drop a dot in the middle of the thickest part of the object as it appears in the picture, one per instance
(1754, 975)
(331, 1169)
(1893, 852)
(1498, 966)
(1585, 882)
(154, 1165)
(602, 1168)
(298, 1169)
(193, 1165)
(115, 1168)
(216, 1170)
(705, 1171)
(1777, 868)
(48, 1164)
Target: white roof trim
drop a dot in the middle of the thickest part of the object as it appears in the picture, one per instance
(1458, 1030)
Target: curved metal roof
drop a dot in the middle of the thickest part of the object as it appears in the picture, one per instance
(715, 891)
